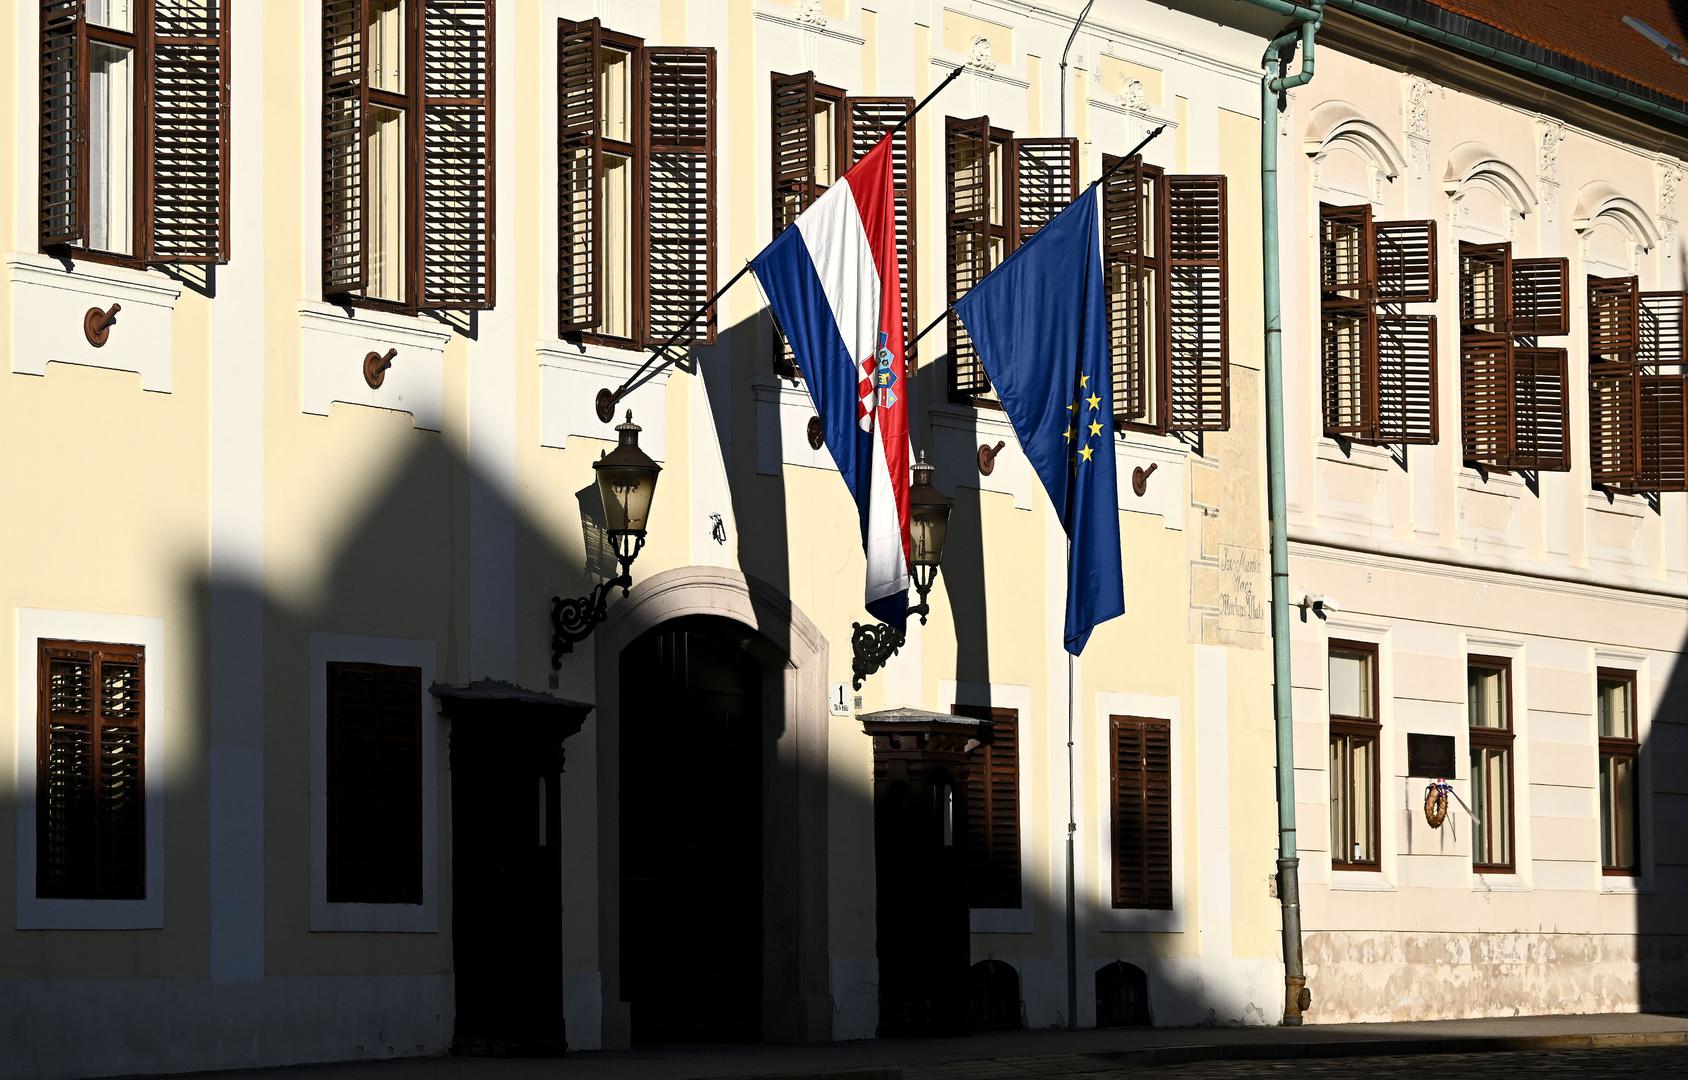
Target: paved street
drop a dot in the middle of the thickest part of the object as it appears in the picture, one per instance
(1669, 1061)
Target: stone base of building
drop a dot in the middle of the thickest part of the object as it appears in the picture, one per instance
(63, 1028)
(1372, 976)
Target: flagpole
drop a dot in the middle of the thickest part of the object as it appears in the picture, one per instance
(947, 312)
(607, 398)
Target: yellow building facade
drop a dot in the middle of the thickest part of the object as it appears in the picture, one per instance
(269, 533)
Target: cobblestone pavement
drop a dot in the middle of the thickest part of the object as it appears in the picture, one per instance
(1671, 1062)
(1666, 1063)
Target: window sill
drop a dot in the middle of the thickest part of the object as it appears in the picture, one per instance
(1623, 885)
(1487, 881)
(1114, 920)
(783, 410)
(1360, 881)
(57, 299)
(999, 920)
(333, 342)
(570, 376)
(329, 918)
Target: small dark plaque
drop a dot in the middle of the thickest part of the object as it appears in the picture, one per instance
(1430, 756)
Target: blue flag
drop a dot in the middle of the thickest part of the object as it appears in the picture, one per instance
(1040, 324)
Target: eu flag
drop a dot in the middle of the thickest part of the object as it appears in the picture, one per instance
(1040, 324)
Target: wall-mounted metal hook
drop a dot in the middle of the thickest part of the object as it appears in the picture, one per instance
(96, 324)
(817, 433)
(987, 457)
(375, 367)
(1140, 478)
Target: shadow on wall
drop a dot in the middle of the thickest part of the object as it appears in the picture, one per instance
(1661, 907)
(399, 566)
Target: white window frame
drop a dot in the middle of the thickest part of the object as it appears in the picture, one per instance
(34, 624)
(423, 918)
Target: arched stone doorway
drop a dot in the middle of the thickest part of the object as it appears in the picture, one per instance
(766, 660)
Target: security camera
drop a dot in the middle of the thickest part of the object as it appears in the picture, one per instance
(1320, 604)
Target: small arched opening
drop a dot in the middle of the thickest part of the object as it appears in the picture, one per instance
(993, 997)
(1122, 995)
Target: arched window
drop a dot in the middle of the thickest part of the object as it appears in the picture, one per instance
(993, 997)
(1122, 996)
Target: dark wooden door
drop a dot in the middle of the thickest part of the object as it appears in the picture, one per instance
(507, 889)
(692, 745)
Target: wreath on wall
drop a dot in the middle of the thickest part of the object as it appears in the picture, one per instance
(1436, 802)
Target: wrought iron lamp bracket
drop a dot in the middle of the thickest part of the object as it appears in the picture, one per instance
(574, 619)
(872, 644)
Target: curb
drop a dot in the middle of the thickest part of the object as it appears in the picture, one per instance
(1080, 1062)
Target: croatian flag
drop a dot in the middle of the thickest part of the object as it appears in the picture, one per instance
(832, 279)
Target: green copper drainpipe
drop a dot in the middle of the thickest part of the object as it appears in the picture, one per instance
(1296, 995)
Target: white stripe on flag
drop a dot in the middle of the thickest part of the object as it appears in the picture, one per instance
(833, 233)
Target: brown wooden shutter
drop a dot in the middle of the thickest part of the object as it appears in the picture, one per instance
(1541, 289)
(1045, 178)
(190, 132)
(967, 190)
(66, 805)
(1142, 813)
(1406, 379)
(793, 130)
(1614, 424)
(1347, 270)
(1348, 323)
(1134, 213)
(1662, 317)
(1348, 371)
(1541, 417)
(457, 154)
(1614, 314)
(1485, 399)
(121, 784)
(678, 231)
(580, 154)
(869, 119)
(91, 797)
(63, 193)
(992, 845)
(1663, 403)
(1614, 382)
(1485, 288)
(374, 819)
(1197, 313)
(1404, 256)
(345, 185)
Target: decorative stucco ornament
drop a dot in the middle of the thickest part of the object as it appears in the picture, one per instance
(979, 54)
(1436, 802)
(1134, 97)
(809, 13)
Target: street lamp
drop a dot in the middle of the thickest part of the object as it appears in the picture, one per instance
(871, 644)
(626, 484)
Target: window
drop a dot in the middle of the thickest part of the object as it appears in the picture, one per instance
(992, 820)
(1513, 394)
(1637, 367)
(818, 132)
(135, 130)
(90, 780)
(1000, 191)
(1142, 812)
(1354, 731)
(1165, 250)
(635, 187)
(1488, 704)
(374, 784)
(1378, 362)
(1619, 790)
(407, 176)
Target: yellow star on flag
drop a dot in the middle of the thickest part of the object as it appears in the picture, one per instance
(1067, 434)
(1095, 428)
(1083, 381)
(1095, 402)
(1085, 453)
